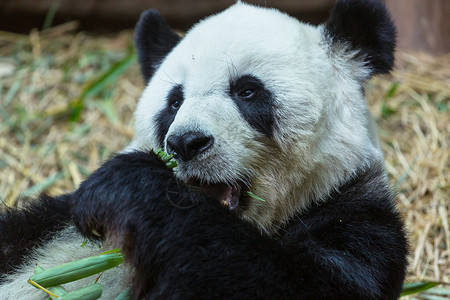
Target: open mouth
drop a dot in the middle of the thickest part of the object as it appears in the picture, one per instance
(228, 196)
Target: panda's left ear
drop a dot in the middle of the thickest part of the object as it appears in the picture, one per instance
(366, 28)
(154, 40)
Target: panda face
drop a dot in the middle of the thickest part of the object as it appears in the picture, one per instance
(253, 100)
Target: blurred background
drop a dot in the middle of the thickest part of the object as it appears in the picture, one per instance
(422, 24)
(69, 84)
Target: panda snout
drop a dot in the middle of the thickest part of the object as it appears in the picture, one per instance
(188, 145)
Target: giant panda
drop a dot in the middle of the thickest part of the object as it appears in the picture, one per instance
(250, 100)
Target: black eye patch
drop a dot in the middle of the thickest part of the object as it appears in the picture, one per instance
(255, 103)
(166, 116)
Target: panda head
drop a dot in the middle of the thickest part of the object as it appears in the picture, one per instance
(253, 100)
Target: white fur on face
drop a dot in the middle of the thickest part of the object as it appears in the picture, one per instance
(320, 132)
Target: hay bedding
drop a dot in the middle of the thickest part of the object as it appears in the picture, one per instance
(40, 150)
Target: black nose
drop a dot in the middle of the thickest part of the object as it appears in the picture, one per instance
(188, 145)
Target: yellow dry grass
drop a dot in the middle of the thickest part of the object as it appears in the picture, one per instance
(412, 112)
(41, 151)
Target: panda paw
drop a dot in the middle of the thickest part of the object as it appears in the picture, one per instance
(116, 196)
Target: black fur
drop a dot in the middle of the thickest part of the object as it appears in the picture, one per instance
(21, 230)
(257, 109)
(165, 117)
(186, 246)
(367, 27)
(154, 39)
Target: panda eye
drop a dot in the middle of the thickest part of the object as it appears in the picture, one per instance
(246, 88)
(246, 93)
(176, 104)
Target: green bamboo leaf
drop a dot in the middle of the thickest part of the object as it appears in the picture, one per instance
(116, 250)
(390, 93)
(255, 197)
(166, 158)
(124, 295)
(417, 287)
(57, 290)
(110, 75)
(50, 15)
(386, 111)
(97, 84)
(90, 292)
(75, 270)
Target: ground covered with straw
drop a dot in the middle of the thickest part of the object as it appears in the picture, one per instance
(67, 102)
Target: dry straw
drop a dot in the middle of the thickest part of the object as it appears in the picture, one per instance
(40, 150)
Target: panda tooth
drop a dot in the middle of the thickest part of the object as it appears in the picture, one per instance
(95, 232)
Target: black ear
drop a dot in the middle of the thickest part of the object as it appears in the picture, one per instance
(365, 26)
(154, 39)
